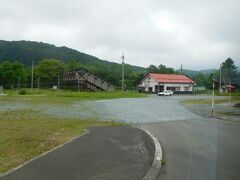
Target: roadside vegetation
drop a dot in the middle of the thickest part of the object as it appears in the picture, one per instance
(234, 98)
(25, 134)
(61, 97)
(228, 102)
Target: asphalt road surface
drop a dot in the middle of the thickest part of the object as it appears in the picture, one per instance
(195, 147)
(105, 153)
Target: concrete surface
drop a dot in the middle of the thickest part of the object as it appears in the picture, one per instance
(199, 149)
(104, 153)
(194, 146)
(157, 161)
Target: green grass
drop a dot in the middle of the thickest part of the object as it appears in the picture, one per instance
(25, 134)
(234, 99)
(163, 162)
(229, 113)
(190, 102)
(64, 97)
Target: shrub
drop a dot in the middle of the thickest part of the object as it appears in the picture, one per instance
(22, 92)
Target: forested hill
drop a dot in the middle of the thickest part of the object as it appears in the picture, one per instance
(28, 51)
(193, 73)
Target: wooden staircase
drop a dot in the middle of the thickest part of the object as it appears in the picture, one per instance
(88, 80)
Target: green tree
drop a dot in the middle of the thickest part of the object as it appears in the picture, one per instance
(49, 70)
(72, 65)
(10, 72)
(203, 80)
(152, 69)
(165, 70)
(229, 71)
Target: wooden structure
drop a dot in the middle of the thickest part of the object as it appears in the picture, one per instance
(82, 78)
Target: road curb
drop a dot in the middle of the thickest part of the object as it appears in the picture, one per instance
(156, 165)
(43, 154)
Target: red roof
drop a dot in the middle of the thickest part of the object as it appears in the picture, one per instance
(171, 78)
(230, 86)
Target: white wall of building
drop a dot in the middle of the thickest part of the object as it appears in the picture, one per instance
(150, 82)
(181, 86)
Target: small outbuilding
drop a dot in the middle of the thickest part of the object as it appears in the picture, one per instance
(154, 83)
(228, 88)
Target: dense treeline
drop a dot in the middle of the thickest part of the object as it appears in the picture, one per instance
(48, 71)
(26, 52)
(50, 62)
(229, 75)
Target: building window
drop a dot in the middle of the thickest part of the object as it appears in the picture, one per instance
(171, 88)
(177, 88)
(185, 88)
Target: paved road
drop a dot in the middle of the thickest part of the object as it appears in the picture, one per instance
(105, 153)
(194, 147)
(199, 149)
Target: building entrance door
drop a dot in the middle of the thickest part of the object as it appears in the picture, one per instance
(161, 88)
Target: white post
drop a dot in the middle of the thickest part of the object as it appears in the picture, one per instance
(32, 78)
(123, 73)
(229, 94)
(220, 82)
(213, 98)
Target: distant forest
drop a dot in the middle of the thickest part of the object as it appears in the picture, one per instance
(50, 62)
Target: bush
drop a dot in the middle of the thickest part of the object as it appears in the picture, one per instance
(22, 92)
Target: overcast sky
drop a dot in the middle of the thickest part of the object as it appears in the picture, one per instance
(200, 34)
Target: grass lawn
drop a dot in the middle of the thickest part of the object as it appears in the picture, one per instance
(230, 113)
(64, 97)
(26, 133)
(235, 98)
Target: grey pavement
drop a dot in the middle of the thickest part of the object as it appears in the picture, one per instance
(195, 147)
(199, 149)
(103, 153)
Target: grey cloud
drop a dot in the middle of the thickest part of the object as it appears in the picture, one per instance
(198, 34)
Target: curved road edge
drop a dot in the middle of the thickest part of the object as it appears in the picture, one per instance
(156, 165)
(43, 154)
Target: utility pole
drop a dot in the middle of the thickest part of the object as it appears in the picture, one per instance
(123, 73)
(229, 94)
(213, 86)
(58, 82)
(32, 77)
(220, 81)
(18, 85)
(38, 83)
